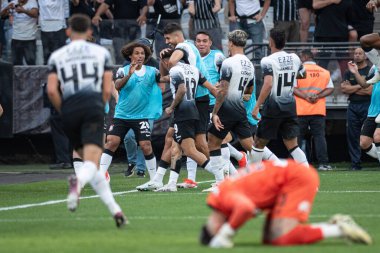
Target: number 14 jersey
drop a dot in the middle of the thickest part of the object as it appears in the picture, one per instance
(284, 68)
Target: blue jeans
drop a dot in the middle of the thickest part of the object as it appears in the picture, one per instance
(256, 34)
(134, 152)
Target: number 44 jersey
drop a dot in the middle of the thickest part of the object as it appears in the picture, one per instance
(80, 66)
(284, 68)
(188, 75)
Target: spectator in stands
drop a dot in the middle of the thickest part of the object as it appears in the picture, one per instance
(357, 110)
(250, 16)
(53, 24)
(204, 17)
(82, 6)
(3, 16)
(286, 18)
(305, 8)
(332, 22)
(362, 18)
(310, 94)
(25, 14)
(170, 11)
(129, 15)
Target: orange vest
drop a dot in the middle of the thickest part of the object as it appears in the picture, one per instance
(317, 79)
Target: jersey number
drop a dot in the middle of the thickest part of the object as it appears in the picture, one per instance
(243, 82)
(144, 125)
(75, 77)
(283, 81)
(190, 88)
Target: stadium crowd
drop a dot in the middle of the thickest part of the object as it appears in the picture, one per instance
(214, 99)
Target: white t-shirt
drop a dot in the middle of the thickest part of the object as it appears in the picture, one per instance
(52, 15)
(24, 26)
(247, 8)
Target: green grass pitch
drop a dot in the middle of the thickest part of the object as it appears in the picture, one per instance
(165, 222)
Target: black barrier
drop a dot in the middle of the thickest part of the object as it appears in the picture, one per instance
(6, 96)
(30, 116)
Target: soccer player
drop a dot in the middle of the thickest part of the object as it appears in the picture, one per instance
(229, 114)
(186, 51)
(279, 116)
(135, 84)
(285, 191)
(212, 60)
(184, 80)
(79, 83)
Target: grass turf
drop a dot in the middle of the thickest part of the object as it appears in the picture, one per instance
(165, 222)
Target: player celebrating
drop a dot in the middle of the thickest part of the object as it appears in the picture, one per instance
(184, 80)
(229, 114)
(280, 70)
(187, 52)
(135, 84)
(81, 72)
(285, 190)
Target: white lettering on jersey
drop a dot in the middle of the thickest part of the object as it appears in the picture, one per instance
(238, 70)
(284, 67)
(80, 65)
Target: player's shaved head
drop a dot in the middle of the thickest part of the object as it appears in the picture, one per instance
(80, 23)
(238, 38)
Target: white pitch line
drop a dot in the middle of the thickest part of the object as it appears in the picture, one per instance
(52, 202)
(132, 218)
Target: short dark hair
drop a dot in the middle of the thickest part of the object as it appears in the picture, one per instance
(172, 27)
(205, 33)
(307, 53)
(127, 50)
(79, 23)
(167, 53)
(238, 38)
(278, 36)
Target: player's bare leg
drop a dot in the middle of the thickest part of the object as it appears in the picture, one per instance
(191, 165)
(176, 163)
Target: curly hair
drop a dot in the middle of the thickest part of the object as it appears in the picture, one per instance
(127, 50)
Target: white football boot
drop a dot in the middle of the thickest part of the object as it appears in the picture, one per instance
(149, 186)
